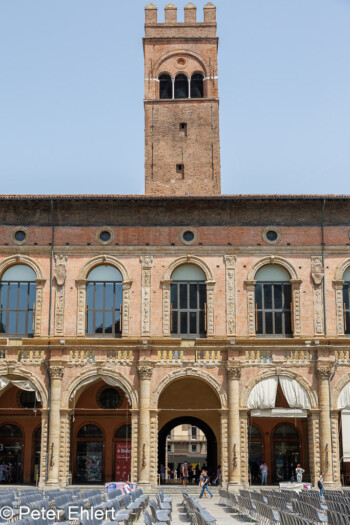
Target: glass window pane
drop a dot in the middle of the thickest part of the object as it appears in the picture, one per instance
(277, 289)
(3, 316)
(13, 295)
(268, 296)
(174, 324)
(19, 272)
(12, 322)
(183, 295)
(346, 296)
(99, 293)
(347, 323)
(201, 322)
(174, 295)
(183, 323)
(278, 323)
(258, 295)
(3, 295)
(90, 295)
(109, 297)
(99, 322)
(89, 327)
(117, 322)
(202, 295)
(287, 323)
(287, 292)
(108, 322)
(21, 326)
(32, 294)
(30, 327)
(259, 323)
(268, 323)
(105, 272)
(193, 322)
(23, 295)
(118, 295)
(193, 296)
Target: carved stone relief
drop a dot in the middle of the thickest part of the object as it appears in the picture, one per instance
(250, 286)
(60, 278)
(147, 264)
(39, 306)
(338, 285)
(230, 262)
(224, 448)
(317, 274)
(153, 447)
(244, 447)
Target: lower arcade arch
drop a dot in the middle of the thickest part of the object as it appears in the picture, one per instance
(211, 458)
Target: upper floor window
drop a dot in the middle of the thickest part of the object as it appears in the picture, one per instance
(165, 87)
(17, 300)
(104, 301)
(188, 302)
(346, 300)
(197, 85)
(273, 302)
(181, 86)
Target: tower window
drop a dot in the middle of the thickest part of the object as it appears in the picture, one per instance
(183, 128)
(165, 87)
(180, 170)
(197, 85)
(181, 86)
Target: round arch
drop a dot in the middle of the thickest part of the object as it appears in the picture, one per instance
(344, 380)
(104, 259)
(21, 259)
(93, 424)
(26, 374)
(188, 259)
(272, 260)
(194, 374)
(270, 373)
(189, 420)
(78, 382)
(185, 52)
(341, 269)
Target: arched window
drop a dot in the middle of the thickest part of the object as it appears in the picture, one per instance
(286, 431)
(17, 301)
(36, 458)
(165, 87)
(90, 431)
(254, 454)
(123, 432)
(188, 302)
(104, 301)
(181, 86)
(197, 85)
(273, 302)
(89, 455)
(346, 300)
(11, 453)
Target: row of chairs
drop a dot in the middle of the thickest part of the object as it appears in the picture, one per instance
(198, 514)
(161, 509)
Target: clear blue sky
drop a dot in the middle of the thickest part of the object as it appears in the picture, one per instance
(71, 91)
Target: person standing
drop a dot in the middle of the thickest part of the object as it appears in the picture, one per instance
(218, 475)
(184, 473)
(320, 484)
(205, 483)
(162, 473)
(264, 469)
(299, 472)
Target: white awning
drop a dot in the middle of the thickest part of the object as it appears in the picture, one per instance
(345, 427)
(23, 384)
(107, 379)
(344, 397)
(280, 412)
(263, 394)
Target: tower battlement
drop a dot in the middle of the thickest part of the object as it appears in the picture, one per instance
(172, 28)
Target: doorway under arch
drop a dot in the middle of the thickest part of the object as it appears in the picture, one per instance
(212, 448)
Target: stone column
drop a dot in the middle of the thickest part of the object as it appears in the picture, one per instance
(234, 437)
(147, 264)
(336, 454)
(145, 375)
(244, 448)
(325, 423)
(314, 445)
(43, 444)
(166, 307)
(250, 287)
(56, 373)
(65, 442)
(338, 286)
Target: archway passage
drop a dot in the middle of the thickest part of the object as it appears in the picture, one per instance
(101, 434)
(190, 401)
(211, 457)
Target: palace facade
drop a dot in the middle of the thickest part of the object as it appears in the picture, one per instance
(123, 317)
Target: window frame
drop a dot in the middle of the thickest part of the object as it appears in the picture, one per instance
(200, 312)
(113, 333)
(30, 308)
(346, 307)
(283, 310)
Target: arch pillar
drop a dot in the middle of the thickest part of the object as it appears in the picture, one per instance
(65, 442)
(313, 421)
(145, 375)
(234, 430)
(43, 448)
(55, 423)
(224, 447)
(325, 424)
(339, 307)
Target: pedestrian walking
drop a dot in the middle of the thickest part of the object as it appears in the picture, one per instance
(184, 473)
(205, 483)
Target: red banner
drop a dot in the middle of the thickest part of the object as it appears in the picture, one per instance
(122, 460)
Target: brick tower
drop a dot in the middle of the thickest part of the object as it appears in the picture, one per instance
(182, 147)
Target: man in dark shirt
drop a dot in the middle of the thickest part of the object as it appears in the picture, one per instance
(205, 483)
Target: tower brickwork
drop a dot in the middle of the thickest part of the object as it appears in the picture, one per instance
(182, 147)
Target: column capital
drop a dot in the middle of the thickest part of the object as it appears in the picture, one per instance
(234, 372)
(145, 372)
(56, 372)
(324, 372)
